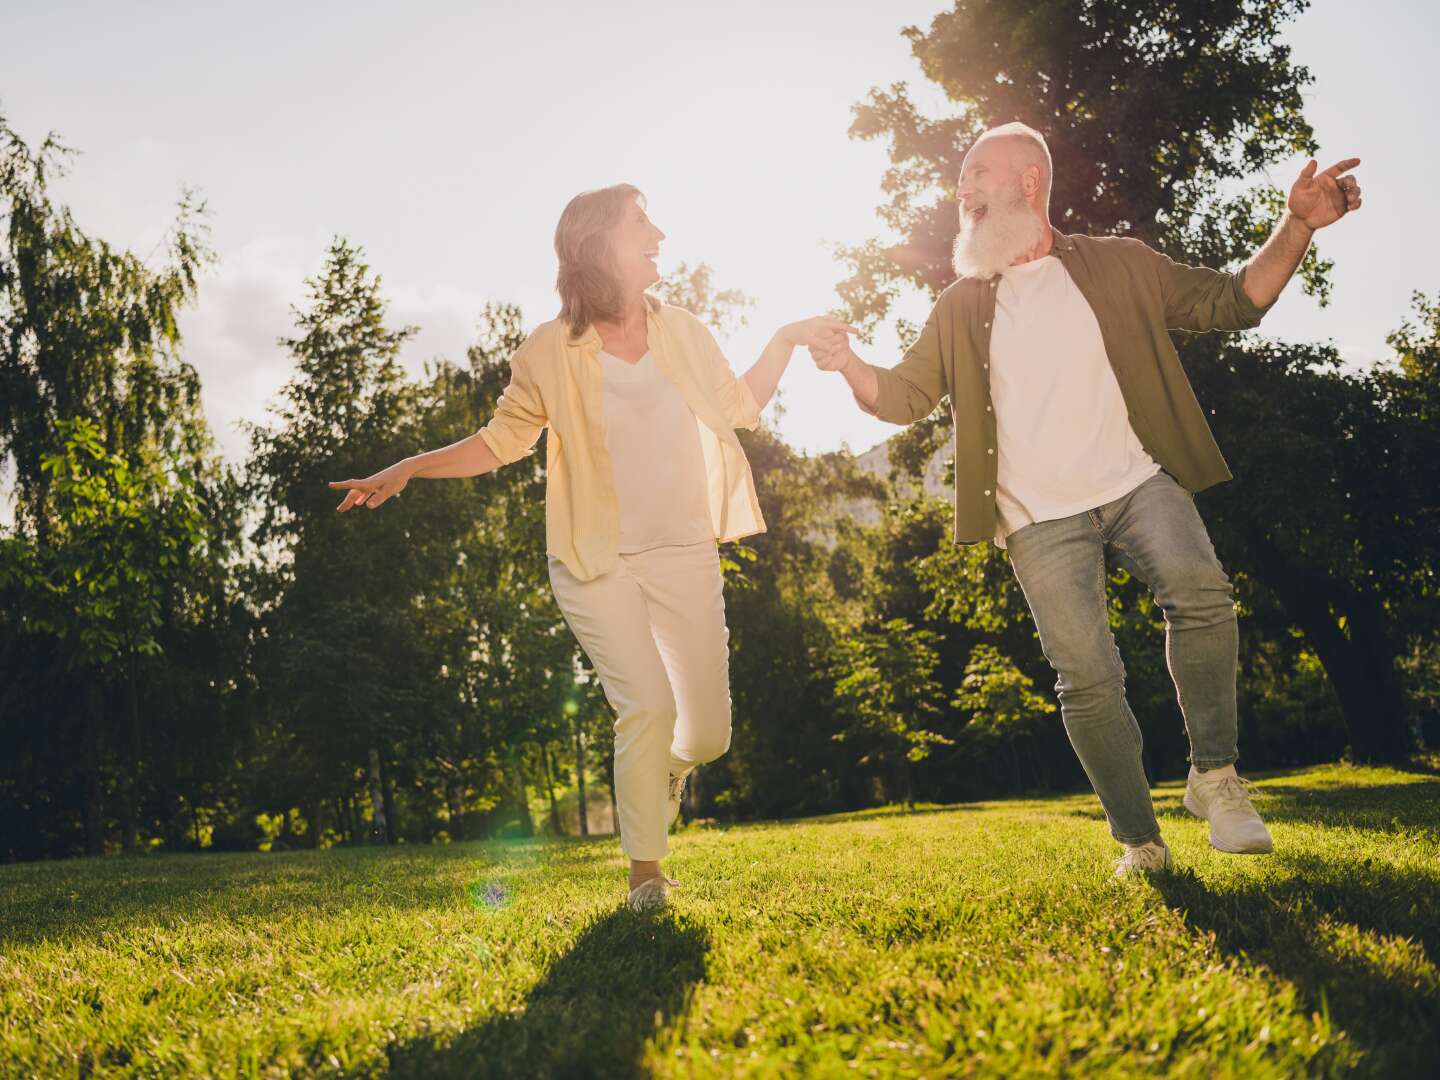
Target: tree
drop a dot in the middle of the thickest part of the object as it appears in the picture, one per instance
(886, 696)
(86, 330)
(100, 419)
(1002, 702)
(1336, 516)
(336, 656)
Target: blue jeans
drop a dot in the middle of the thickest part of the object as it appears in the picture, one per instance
(1155, 533)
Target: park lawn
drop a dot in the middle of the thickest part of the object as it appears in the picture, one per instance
(981, 939)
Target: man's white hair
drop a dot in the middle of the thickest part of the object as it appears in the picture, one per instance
(1033, 151)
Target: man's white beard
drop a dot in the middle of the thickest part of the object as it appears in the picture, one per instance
(986, 247)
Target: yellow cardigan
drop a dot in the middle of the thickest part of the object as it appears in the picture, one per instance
(556, 382)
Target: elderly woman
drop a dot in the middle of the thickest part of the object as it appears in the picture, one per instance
(644, 477)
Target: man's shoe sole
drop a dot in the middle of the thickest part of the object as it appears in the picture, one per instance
(1266, 850)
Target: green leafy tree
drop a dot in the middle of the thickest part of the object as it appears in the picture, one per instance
(338, 658)
(889, 701)
(99, 586)
(88, 335)
(86, 330)
(1337, 517)
(1002, 702)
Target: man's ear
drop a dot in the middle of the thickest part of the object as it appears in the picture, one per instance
(1030, 180)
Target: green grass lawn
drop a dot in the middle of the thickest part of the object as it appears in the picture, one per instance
(982, 939)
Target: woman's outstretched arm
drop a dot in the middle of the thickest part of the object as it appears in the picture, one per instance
(471, 456)
(764, 375)
(513, 429)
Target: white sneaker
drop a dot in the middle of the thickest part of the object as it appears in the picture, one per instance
(677, 789)
(1152, 855)
(1220, 797)
(651, 894)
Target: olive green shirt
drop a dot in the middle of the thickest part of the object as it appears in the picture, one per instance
(1138, 296)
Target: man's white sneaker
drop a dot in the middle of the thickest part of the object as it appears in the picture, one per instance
(1219, 797)
(1153, 855)
(651, 894)
(677, 789)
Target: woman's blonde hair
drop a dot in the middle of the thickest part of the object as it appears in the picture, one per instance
(587, 281)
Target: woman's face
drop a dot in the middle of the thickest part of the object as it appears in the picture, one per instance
(635, 242)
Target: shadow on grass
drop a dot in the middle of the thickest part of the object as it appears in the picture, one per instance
(625, 977)
(1377, 808)
(1382, 808)
(1307, 929)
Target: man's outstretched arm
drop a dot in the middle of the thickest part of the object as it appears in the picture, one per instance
(900, 395)
(1316, 200)
(1199, 299)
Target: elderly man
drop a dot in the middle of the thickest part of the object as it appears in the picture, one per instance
(1078, 438)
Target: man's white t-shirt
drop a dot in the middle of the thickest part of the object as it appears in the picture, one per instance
(1065, 440)
(654, 444)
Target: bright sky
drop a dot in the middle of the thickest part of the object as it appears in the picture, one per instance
(445, 138)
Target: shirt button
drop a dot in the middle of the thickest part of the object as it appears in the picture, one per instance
(987, 491)
(989, 451)
(987, 322)
(987, 408)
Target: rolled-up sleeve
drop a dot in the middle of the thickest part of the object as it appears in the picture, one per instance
(912, 388)
(519, 415)
(732, 393)
(1200, 299)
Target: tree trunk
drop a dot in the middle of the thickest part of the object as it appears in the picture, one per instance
(457, 808)
(522, 797)
(392, 816)
(377, 800)
(1015, 757)
(1360, 666)
(580, 777)
(312, 825)
(94, 781)
(546, 763)
(137, 747)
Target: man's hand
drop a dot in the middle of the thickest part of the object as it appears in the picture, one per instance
(834, 355)
(1322, 199)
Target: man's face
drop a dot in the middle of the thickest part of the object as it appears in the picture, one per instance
(988, 174)
(998, 225)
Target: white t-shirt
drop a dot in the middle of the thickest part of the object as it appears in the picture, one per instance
(1065, 440)
(654, 444)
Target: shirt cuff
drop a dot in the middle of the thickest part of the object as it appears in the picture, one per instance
(1248, 311)
(747, 408)
(498, 446)
(892, 402)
